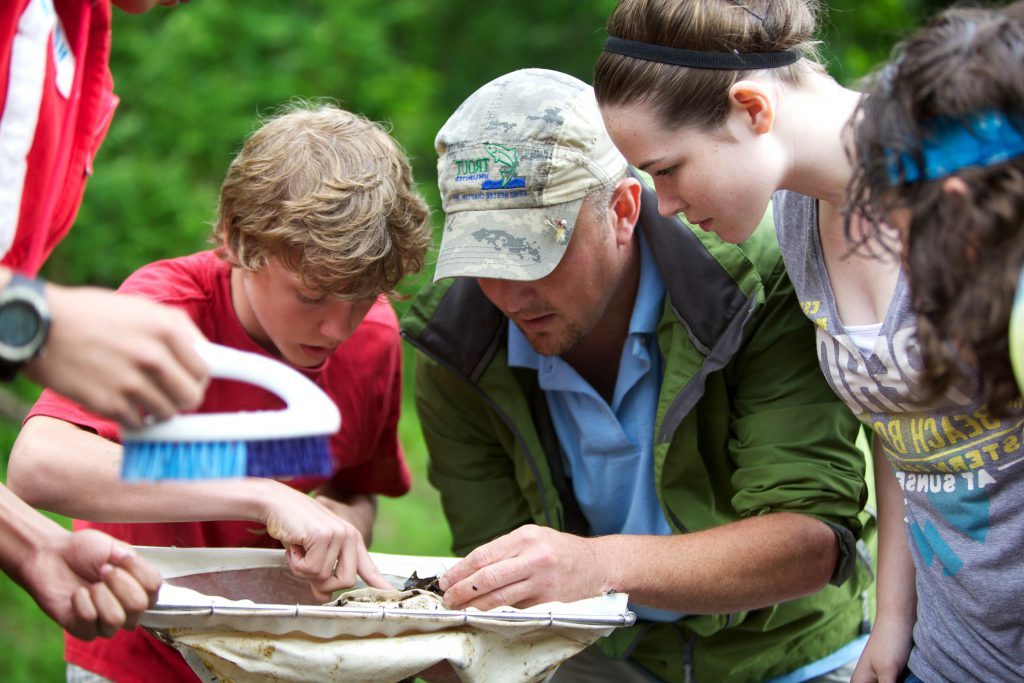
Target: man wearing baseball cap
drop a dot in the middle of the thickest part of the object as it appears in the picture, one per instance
(613, 400)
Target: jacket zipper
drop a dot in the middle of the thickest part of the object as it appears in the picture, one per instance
(530, 459)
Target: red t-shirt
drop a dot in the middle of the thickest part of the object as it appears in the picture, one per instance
(363, 377)
(56, 103)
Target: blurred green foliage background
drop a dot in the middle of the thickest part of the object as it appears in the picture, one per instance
(194, 81)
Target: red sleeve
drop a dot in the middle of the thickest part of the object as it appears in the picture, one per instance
(52, 404)
(165, 281)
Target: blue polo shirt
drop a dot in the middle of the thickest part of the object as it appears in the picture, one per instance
(608, 450)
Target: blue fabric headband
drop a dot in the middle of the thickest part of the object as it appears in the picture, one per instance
(983, 139)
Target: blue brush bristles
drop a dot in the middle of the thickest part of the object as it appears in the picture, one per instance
(277, 458)
(270, 458)
(149, 461)
(294, 442)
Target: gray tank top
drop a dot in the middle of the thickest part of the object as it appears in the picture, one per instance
(961, 471)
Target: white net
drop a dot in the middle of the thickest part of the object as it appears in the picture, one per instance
(239, 615)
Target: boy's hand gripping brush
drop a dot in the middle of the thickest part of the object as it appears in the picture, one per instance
(267, 443)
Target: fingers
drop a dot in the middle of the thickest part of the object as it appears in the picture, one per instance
(295, 554)
(111, 615)
(337, 569)
(185, 375)
(324, 547)
(96, 611)
(319, 595)
(145, 575)
(501, 583)
(342, 575)
(166, 376)
(369, 573)
(83, 615)
(319, 573)
(499, 550)
(458, 572)
(116, 587)
(126, 591)
(516, 594)
(354, 562)
(315, 561)
(482, 557)
(522, 568)
(345, 570)
(122, 356)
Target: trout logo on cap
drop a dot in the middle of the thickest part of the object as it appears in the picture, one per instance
(505, 158)
(516, 160)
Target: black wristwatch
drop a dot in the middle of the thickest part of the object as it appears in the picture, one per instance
(24, 323)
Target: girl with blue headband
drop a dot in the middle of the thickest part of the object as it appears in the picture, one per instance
(725, 105)
(939, 141)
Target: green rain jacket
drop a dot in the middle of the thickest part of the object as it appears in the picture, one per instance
(746, 425)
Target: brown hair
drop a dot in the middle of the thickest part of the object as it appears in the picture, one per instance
(963, 253)
(331, 195)
(685, 96)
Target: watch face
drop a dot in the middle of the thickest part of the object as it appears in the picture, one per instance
(19, 323)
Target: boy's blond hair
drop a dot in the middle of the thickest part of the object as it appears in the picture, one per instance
(331, 195)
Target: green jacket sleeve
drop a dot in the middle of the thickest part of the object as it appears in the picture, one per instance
(794, 443)
(469, 458)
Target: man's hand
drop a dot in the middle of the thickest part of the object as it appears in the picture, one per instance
(90, 583)
(526, 567)
(323, 548)
(121, 356)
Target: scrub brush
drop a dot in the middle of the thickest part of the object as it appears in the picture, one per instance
(267, 443)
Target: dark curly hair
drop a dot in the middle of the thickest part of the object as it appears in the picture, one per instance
(963, 250)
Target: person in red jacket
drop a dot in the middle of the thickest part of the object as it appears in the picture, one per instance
(124, 357)
(121, 357)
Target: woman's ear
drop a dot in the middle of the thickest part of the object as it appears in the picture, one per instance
(957, 190)
(751, 99)
(954, 186)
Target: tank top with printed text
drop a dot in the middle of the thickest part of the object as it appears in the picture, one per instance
(961, 471)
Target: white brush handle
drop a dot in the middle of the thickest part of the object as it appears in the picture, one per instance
(309, 411)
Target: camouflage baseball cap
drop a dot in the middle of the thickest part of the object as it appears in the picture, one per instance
(515, 162)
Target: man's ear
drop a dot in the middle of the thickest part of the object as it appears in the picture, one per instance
(625, 208)
(751, 99)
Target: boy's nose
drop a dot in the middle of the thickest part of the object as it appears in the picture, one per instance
(340, 321)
